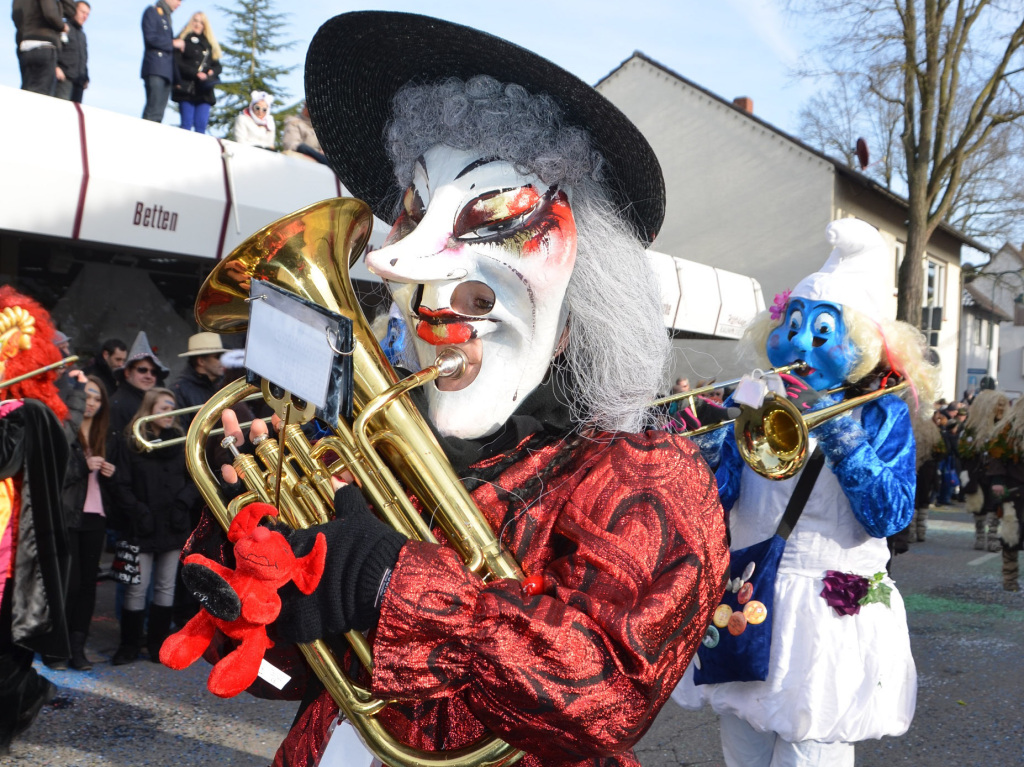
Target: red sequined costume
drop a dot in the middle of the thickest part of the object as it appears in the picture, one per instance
(628, 533)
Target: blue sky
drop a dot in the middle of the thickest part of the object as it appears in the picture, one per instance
(732, 47)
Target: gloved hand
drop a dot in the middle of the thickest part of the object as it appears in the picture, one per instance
(839, 437)
(800, 394)
(361, 553)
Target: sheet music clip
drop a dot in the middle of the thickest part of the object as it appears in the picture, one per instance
(300, 353)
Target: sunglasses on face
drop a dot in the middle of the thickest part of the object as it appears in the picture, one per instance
(145, 371)
(259, 110)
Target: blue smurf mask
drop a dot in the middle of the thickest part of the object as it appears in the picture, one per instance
(814, 331)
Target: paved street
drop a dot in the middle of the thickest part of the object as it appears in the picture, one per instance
(967, 634)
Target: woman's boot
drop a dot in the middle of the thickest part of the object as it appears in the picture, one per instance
(131, 637)
(79, 660)
(159, 628)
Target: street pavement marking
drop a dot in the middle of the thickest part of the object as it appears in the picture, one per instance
(947, 525)
(984, 558)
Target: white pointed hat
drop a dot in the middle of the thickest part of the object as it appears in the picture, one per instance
(854, 274)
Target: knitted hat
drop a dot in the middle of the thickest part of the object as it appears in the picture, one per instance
(852, 275)
(141, 350)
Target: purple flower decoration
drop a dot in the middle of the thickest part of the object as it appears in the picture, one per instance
(778, 307)
(843, 591)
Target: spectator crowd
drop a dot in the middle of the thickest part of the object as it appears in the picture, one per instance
(185, 68)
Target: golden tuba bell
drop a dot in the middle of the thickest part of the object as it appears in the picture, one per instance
(389, 447)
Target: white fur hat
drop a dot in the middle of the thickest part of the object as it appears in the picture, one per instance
(854, 274)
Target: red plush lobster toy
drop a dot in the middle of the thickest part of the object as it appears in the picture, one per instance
(242, 602)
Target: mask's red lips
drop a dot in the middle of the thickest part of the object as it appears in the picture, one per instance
(442, 326)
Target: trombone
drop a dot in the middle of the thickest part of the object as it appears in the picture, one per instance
(773, 439)
(725, 384)
(798, 365)
(39, 371)
(147, 445)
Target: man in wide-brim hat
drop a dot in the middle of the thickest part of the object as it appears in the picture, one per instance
(522, 201)
(204, 375)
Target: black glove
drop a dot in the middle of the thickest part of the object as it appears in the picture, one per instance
(800, 394)
(361, 552)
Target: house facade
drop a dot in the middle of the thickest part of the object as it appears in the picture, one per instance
(746, 197)
(993, 331)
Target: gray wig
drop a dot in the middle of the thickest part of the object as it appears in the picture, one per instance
(618, 351)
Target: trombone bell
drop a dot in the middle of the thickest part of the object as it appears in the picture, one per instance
(773, 439)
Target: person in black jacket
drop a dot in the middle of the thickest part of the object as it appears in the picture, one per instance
(39, 25)
(73, 58)
(111, 358)
(153, 501)
(204, 375)
(141, 372)
(85, 515)
(199, 71)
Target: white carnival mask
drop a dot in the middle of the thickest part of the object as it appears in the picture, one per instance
(485, 254)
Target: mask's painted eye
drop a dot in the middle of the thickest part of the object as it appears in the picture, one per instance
(410, 215)
(825, 324)
(796, 319)
(493, 214)
(412, 204)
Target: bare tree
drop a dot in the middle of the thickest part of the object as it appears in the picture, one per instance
(953, 71)
(836, 117)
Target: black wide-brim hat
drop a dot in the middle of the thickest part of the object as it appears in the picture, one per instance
(358, 61)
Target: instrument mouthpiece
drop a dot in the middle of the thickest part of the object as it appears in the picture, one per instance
(451, 363)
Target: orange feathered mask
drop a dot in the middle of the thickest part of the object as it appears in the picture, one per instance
(26, 343)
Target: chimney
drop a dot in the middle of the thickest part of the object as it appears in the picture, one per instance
(744, 103)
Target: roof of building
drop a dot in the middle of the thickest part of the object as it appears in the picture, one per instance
(975, 298)
(841, 167)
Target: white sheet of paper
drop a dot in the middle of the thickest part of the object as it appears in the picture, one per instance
(273, 675)
(287, 344)
(345, 749)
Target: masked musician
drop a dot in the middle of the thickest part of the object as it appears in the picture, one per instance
(522, 202)
(840, 669)
(34, 548)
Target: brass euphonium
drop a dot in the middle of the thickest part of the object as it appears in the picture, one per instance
(389, 447)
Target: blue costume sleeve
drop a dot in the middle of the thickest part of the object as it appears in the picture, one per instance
(728, 471)
(874, 461)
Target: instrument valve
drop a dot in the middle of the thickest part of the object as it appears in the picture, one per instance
(228, 443)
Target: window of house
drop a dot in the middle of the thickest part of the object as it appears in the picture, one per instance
(932, 298)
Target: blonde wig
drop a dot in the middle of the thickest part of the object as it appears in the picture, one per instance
(889, 344)
(981, 415)
(211, 38)
(1013, 424)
